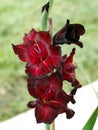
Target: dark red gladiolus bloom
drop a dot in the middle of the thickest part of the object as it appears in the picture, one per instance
(46, 69)
(47, 112)
(69, 34)
(68, 70)
(51, 99)
(39, 53)
(46, 88)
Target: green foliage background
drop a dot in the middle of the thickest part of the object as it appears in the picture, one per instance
(17, 18)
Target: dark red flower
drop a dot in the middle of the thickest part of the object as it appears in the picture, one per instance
(68, 70)
(61, 101)
(39, 53)
(46, 112)
(69, 34)
(43, 112)
(51, 99)
(45, 88)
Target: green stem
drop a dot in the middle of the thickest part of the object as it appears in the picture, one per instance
(47, 127)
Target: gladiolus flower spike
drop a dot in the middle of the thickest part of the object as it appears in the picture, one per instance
(46, 69)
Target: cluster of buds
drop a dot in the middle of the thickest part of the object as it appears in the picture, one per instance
(46, 70)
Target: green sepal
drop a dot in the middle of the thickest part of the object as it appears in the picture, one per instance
(43, 21)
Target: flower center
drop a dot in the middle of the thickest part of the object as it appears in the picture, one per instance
(38, 50)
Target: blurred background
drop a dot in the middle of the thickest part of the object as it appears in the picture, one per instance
(17, 18)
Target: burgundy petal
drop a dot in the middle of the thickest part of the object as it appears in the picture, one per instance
(44, 37)
(68, 70)
(32, 85)
(47, 65)
(45, 113)
(61, 101)
(19, 49)
(69, 113)
(56, 54)
(40, 70)
(70, 33)
(35, 70)
(70, 58)
(55, 85)
(41, 36)
(45, 88)
(32, 35)
(32, 104)
(50, 87)
(28, 52)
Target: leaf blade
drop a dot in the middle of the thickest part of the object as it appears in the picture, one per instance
(91, 121)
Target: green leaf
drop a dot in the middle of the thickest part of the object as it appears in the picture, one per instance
(43, 21)
(91, 121)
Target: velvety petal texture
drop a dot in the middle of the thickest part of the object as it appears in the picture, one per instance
(46, 88)
(44, 113)
(68, 70)
(51, 99)
(46, 70)
(69, 34)
(39, 53)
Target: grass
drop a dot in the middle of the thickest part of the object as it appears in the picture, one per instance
(19, 17)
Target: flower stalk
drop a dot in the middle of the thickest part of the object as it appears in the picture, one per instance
(47, 68)
(50, 127)
(53, 125)
(47, 127)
